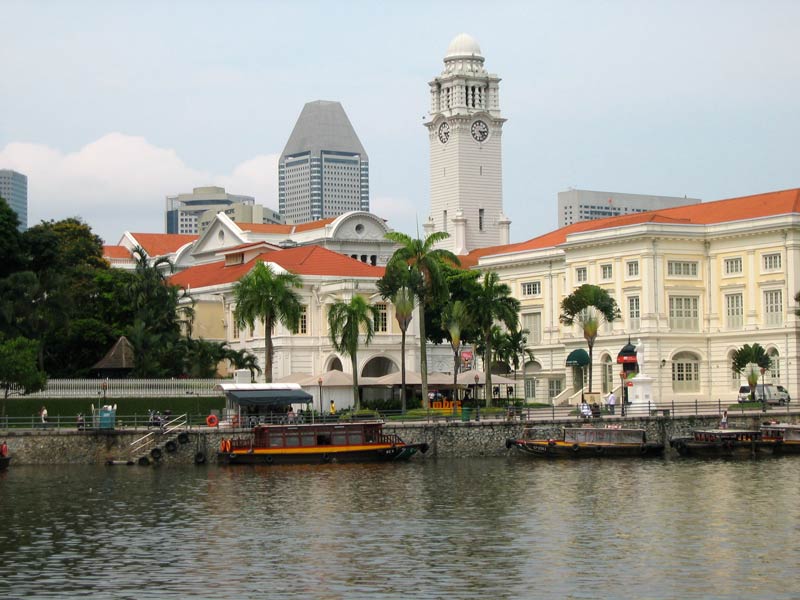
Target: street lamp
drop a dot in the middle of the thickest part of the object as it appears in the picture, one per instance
(477, 404)
(622, 392)
(319, 383)
(763, 391)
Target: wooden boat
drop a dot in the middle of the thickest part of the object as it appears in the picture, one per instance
(316, 443)
(588, 442)
(780, 438)
(718, 442)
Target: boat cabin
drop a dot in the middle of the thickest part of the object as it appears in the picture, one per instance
(787, 432)
(316, 435)
(726, 435)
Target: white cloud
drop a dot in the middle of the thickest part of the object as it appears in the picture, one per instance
(119, 182)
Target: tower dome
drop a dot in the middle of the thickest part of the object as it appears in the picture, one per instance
(463, 45)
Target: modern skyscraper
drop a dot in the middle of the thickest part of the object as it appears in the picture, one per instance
(14, 190)
(465, 131)
(323, 171)
(184, 210)
(586, 205)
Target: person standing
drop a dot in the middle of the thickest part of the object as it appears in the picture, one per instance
(4, 449)
(611, 401)
(43, 414)
(723, 422)
(333, 407)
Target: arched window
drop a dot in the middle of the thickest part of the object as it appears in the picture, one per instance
(608, 374)
(685, 372)
(775, 371)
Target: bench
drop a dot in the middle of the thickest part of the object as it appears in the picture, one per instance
(665, 412)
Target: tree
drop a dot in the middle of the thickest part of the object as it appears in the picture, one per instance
(403, 302)
(518, 348)
(19, 373)
(11, 256)
(456, 319)
(345, 322)
(492, 303)
(589, 305)
(269, 297)
(425, 265)
(751, 355)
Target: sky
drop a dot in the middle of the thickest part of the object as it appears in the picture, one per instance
(109, 107)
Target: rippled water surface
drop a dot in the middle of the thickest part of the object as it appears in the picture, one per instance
(456, 529)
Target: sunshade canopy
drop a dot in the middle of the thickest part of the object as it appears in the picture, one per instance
(262, 394)
(577, 358)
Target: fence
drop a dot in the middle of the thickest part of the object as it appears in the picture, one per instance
(108, 389)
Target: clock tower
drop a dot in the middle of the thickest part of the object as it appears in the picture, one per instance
(465, 132)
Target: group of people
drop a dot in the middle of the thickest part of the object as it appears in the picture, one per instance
(593, 410)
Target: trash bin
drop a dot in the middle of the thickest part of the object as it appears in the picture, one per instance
(466, 413)
(108, 416)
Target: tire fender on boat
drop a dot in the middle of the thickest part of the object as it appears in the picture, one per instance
(171, 446)
(599, 450)
(268, 460)
(155, 453)
(183, 437)
(199, 458)
(575, 447)
(643, 449)
(326, 458)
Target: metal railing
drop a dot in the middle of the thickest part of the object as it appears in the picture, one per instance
(144, 444)
(108, 389)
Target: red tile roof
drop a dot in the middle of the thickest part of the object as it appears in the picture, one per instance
(286, 229)
(303, 260)
(160, 244)
(116, 252)
(705, 213)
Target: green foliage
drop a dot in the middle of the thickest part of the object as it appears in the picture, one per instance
(10, 241)
(18, 368)
(69, 407)
(346, 321)
(403, 301)
(270, 298)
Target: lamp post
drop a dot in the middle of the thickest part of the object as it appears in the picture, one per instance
(622, 392)
(763, 391)
(477, 404)
(319, 383)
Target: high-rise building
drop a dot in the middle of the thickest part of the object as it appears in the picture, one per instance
(14, 190)
(184, 210)
(464, 133)
(323, 171)
(241, 213)
(586, 205)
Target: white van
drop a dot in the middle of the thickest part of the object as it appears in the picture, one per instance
(765, 392)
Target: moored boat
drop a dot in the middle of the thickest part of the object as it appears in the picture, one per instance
(718, 442)
(588, 442)
(780, 438)
(316, 443)
(4, 462)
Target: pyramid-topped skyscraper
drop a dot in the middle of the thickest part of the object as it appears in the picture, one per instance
(323, 171)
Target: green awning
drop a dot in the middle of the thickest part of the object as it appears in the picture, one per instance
(269, 397)
(577, 358)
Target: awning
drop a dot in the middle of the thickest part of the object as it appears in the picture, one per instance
(267, 397)
(577, 358)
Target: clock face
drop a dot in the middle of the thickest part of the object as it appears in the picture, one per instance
(480, 131)
(444, 132)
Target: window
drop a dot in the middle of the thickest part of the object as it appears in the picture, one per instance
(554, 387)
(734, 313)
(444, 219)
(773, 308)
(531, 288)
(606, 271)
(733, 266)
(633, 268)
(608, 374)
(236, 332)
(381, 322)
(677, 268)
(533, 323)
(772, 262)
(775, 371)
(480, 219)
(633, 313)
(685, 373)
(530, 388)
(580, 274)
(683, 314)
(302, 323)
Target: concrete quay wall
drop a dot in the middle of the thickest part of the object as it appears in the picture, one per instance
(446, 439)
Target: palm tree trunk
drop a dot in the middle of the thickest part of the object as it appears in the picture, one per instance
(591, 346)
(267, 356)
(487, 368)
(356, 399)
(455, 380)
(403, 372)
(423, 355)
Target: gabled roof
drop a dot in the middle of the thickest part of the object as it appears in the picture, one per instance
(705, 213)
(161, 244)
(303, 260)
(284, 229)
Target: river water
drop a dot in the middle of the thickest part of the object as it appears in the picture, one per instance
(457, 529)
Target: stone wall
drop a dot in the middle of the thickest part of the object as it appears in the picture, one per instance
(446, 439)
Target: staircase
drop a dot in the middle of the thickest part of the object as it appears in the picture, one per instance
(151, 446)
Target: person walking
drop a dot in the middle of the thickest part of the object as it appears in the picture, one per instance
(723, 422)
(611, 401)
(43, 414)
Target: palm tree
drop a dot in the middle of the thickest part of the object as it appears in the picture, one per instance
(748, 355)
(403, 301)
(456, 320)
(425, 262)
(345, 322)
(491, 303)
(518, 349)
(589, 305)
(269, 297)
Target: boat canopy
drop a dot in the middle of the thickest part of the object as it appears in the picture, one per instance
(577, 358)
(602, 435)
(263, 394)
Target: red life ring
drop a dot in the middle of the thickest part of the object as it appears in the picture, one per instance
(212, 420)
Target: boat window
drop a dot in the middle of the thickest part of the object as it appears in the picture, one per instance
(275, 440)
(308, 439)
(356, 437)
(323, 439)
(292, 440)
(339, 439)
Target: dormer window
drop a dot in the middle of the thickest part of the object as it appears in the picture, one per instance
(236, 258)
